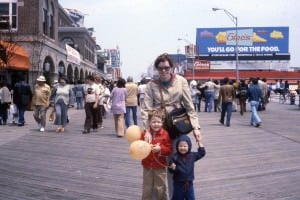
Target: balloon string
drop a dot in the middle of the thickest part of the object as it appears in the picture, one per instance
(156, 159)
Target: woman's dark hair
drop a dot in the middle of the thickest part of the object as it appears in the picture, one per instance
(90, 77)
(162, 58)
(63, 78)
(225, 80)
(121, 83)
(254, 81)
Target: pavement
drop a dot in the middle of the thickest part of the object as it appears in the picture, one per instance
(242, 162)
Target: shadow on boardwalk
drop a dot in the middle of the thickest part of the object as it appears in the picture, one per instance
(242, 162)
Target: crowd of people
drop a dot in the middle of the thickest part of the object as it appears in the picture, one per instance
(168, 171)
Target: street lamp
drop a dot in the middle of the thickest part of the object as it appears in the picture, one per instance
(234, 19)
(192, 55)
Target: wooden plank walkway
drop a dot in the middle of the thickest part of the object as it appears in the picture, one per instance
(242, 162)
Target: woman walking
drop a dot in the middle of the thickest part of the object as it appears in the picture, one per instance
(62, 96)
(118, 108)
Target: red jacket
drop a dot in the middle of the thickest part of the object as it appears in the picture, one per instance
(158, 160)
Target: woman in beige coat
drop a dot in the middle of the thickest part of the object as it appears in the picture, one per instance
(175, 91)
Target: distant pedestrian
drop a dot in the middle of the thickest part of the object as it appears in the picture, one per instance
(104, 101)
(217, 107)
(155, 164)
(92, 92)
(226, 96)
(255, 95)
(182, 166)
(22, 97)
(242, 95)
(5, 100)
(98, 82)
(118, 107)
(40, 102)
(141, 92)
(209, 94)
(131, 101)
(79, 94)
(63, 98)
(195, 93)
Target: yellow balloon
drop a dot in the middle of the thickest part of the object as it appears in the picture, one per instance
(139, 149)
(133, 133)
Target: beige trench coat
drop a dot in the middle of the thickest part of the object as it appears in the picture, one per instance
(178, 92)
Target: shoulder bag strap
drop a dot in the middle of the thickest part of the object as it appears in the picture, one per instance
(163, 105)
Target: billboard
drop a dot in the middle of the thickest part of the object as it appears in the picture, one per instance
(255, 42)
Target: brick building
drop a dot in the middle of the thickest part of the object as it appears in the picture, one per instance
(49, 41)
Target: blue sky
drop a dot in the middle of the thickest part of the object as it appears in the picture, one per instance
(143, 29)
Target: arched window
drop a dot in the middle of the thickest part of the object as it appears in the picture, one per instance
(45, 17)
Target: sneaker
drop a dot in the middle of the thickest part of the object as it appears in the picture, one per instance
(42, 129)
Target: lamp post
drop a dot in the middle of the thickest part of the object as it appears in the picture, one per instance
(192, 55)
(234, 19)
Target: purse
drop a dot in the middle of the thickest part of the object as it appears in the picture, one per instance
(177, 122)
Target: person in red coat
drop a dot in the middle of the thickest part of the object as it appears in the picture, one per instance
(155, 164)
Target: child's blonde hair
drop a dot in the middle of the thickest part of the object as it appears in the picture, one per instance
(156, 113)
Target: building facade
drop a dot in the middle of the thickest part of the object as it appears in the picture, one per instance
(53, 43)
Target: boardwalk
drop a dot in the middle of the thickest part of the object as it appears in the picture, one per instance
(242, 162)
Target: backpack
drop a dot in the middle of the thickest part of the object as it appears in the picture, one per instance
(243, 92)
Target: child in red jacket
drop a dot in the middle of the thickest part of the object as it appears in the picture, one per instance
(155, 164)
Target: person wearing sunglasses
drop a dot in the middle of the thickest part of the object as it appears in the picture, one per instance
(175, 91)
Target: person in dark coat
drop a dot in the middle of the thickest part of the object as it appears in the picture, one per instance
(22, 96)
(182, 166)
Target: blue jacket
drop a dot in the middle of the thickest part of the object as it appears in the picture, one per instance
(185, 163)
(255, 93)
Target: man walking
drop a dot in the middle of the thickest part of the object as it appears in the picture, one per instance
(254, 95)
(131, 101)
(22, 98)
(226, 96)
(41, 101)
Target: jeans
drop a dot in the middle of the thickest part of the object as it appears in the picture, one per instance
(79, 103)
(254, 115)
(209, 98)
(226, 108)
(127, 115)
(21, 110)
(61, 113)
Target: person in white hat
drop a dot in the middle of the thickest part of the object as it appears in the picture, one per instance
(40, 102)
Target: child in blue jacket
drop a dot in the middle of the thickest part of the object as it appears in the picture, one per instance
(182, 167)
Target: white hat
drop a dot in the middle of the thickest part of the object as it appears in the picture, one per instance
(193, 83)
(41, 79)
(55, 81)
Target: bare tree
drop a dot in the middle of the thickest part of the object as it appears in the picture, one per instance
(8, 47)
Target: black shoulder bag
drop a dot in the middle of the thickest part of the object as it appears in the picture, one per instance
(177, 122)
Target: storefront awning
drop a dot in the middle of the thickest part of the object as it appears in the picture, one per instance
(17, 58)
